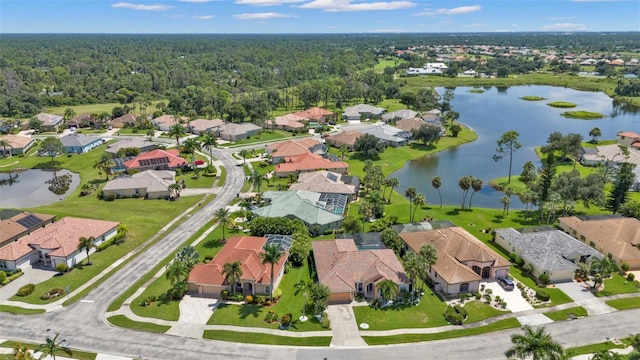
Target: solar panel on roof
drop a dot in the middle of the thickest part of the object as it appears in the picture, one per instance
(332, 177)
(29, 221)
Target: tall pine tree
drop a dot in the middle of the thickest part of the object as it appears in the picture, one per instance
(619, 194)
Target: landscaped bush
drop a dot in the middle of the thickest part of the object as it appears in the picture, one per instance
(53, 293)
(277, 294)
(478, 295)
(224, 294)
(208, 257)
(62, 267)
(12, 277)
(542, 295)
(110, 197)
(460, 310)
(3, 276)
(285, 321)
(248, 299)
(325, 321)
(489, 291)
(630, 277)
(544, 279)
(452, 316)
(106, 244)
(624, 267)
(260, 299)
(513, 257)
(26, 290)
(271, 317)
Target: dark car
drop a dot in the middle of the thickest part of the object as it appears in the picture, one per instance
(506, 284)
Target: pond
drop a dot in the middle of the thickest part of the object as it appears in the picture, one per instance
(496, 111)
(35, 187)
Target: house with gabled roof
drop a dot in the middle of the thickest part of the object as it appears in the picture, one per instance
(79, 144)
(126, 120)
(50, 122)
(317, 114)
(79, 120)
(614, 236)
(390, 135)
(165, 122)
(235, 132)
(56, 243)
(308, 162)
(20, 224)
(346, 271)
(358, 111)
(289, 122)
(280, 151)
(462, 262)
(201, 126)
(629, 139)
(326, 182)
(551, 252)
(158, 159)
(17, 144)
(143, 145)
(148, 184)
(209, 279)
(399, 115)
(347, 138)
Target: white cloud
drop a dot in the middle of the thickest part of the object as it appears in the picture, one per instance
(562, 18)
(476, 25)
(565, 26)
(266, 2)
(346, 5)
(261, 16)
(150, 7)
(451, 11)
(202, 17)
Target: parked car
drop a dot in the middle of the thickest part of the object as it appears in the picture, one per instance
(506, 284)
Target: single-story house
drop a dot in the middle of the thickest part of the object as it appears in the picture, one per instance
(149, 184)
(347, 138)
(126, 120)
(280, 151)
(50, 122)
(209, 279)
(390, 135)
(629, 139)
(79, 144)
(398, 115)
(317, 114)
(308, 162)
(410, 124)
(143, 145)
(319, 212)
(356, 112)
(424, 71)
(365, 241)
(21, 224)
(346, 271)
(614, 236)
(433, 114)
(326, 182)
(56, 243)
(468, 73)
(289, 122)
(235, 132)
(462, 262)
(165, 122)
(201, 126)
(17, 144)
(158, 159)
(611, 153)
(80, 120)
(550, 252)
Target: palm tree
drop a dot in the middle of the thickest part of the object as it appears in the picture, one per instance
(388, 289)
(122, 231)
(52, 346)
(210, 141)
(419, 201)
(177, 131)
(505, 201)
(176, 272)
(476, 185)
(393, 183)
(464, 183)
(366, 211)
(150, 133)
(175, 187)
(188, 255)
(607, 355)
(603, 269)
(428, 256)
(595, 133)
(244, 153)
(413, 266)
(232, 274)
(190, 146)
(86, 244)
(256, 180)
(535, 344)
(5, 144)
(69, 114)
(104, 165)
(410, 193)
(343, 150)
(436, 182)
(21, 352)
(271, 255)
(222, 216)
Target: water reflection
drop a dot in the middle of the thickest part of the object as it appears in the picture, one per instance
(59, 184)
(35, 187)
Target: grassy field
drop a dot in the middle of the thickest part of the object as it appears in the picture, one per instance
(592, 348)
(618, 284)
(93, 108)
(624, 304)
(408, 338)
(75, 354)
(382, 64)
(265, 136)
(20, 310)
(560, 315)
(123, 321)
(256, 338)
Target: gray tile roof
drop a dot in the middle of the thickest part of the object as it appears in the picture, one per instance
(152, 180)
(78, 140)
(388, 133)
(304, 205)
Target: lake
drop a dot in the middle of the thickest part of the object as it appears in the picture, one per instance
(496, 111)
(35, 187)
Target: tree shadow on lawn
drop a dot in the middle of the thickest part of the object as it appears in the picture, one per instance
(455, 212)
(48, 165)
(421, 146)
(249, 310)
(213, 243)
(498, 219)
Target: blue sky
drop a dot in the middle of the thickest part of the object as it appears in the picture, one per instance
(315, 16)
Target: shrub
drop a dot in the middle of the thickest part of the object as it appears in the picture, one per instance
(62, 267)
(151, 298)
(110, 197)
(208, 257)
(452, 316)
(460, 310)
(224, 294)
(544, 279)
(630, 277)
(325, 321)
(3, 276)
(277, 294)
(519, 261)
(270, 317)
(105, 244)
(268, 303)
(285, 321)
(489, 291)
(478, 295)
(260, 300)
(513, 257)
(542, 295)
(248, 299)
(26, 290)
(624, 267)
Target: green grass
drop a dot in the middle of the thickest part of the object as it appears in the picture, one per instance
(562, 104)
(532, 98)
(409, 338)
(599, 143)
(223, 176)
(560, 315)
(266, 136)
(132, 131)
(382, 64)
(20, 310)
(163, 308)
(255, 338)
(593, 348)
(478, 311)
(624, 304)
(253, 315)
(123, 321)
(618, 284)
(584, 115)
(204, 181)
(76, 354)
(516, 186)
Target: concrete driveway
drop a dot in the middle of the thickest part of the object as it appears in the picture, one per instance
(31, 276)
(515, 301)
(343, 326)
(576, 291)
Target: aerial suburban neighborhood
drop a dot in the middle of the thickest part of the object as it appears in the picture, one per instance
(423, 196)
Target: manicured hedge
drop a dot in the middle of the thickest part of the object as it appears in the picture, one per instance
(542, 295)
(26, 290)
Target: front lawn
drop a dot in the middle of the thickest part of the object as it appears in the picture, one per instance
(20, 310)
(265, 136)
(593, 348)
(560, 315)
(256, 338)
(253, 315)
(618, 284)
(123, 321)
(478, 311)
(624, 304)
(76, 354)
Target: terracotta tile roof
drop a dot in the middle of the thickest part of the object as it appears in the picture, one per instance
(17, 141)
(323, 182)
(61, 236)
(170, 157)
(410, 124)
(290, 120)
(314, 113)
(124, 119)
(205, 124)
(292, 147)
(168, 120)
(348, 137)
(307, 162)
(618, 236)
(340, 265)
(629, 134)
(454, 246)
(11, 227)
(49, 119)
(245, 249)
